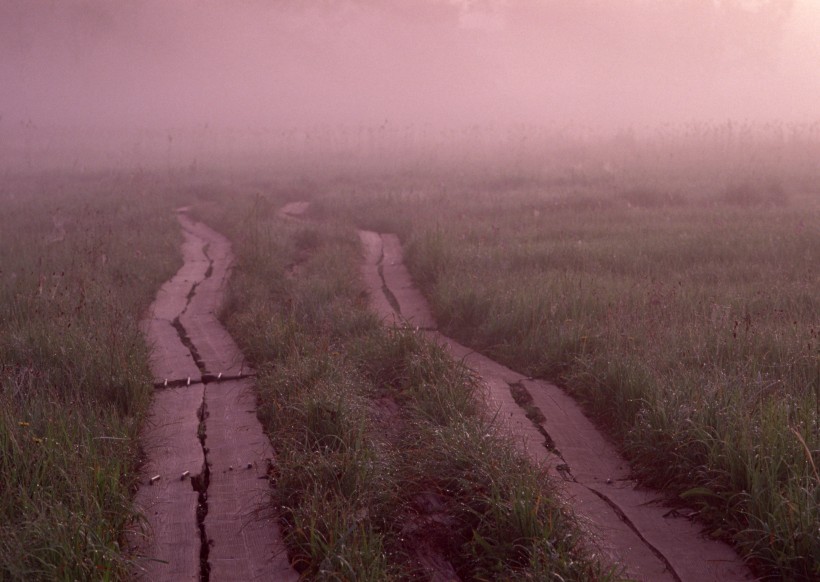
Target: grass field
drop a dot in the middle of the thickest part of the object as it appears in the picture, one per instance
(685, 319)
(81, 257)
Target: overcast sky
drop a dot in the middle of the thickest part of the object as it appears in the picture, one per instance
(252, 63)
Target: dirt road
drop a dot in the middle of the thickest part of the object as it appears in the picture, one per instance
(204, 491)
(632, 526)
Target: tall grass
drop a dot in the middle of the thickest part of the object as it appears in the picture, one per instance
(80, 260)
(386, 467)
(687, 323)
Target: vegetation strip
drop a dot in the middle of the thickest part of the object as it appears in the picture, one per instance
(683, 553)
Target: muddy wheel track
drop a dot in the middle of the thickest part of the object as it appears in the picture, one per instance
(204, 490)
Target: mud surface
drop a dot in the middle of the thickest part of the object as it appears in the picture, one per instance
(632, 526)
(294, 209)
(204, 489)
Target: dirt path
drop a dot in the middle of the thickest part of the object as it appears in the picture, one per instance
(204, 491)
(633, 526)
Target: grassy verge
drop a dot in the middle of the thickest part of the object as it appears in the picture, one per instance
(387, 468)
(687, 324)
(80, 259)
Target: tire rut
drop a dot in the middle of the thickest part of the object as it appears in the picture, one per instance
(214, 528)
(524, 400)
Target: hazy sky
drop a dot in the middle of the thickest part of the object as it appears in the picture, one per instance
(250, 63)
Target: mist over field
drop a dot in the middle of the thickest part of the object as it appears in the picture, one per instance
(620, 198)
(409, 68)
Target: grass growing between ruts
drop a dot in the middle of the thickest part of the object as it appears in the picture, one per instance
(386, 467)
(686, 322)
(80, 259)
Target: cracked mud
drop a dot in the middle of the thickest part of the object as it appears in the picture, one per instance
(215, 527)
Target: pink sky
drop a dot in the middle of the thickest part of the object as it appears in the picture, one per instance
(251, 63)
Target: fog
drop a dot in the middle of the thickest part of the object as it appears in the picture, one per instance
(416, 66)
